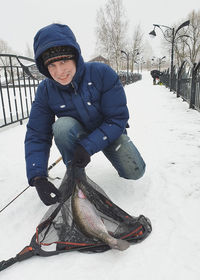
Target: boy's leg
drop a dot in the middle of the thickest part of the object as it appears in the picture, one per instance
(125, 158)
(122, 153)
(67, 131)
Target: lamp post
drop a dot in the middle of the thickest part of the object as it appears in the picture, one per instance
(173, 36)
(127, 60)
(159, 59)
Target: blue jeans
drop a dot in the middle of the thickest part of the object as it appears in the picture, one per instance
(122, 153)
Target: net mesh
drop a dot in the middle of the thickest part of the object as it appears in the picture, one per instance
(59, 231)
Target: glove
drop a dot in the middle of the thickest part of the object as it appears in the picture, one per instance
(46, 190)
(81, 157)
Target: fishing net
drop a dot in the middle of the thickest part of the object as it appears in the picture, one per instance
(58, 231)
(59, 228)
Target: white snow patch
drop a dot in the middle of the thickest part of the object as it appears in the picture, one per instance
(167, 134)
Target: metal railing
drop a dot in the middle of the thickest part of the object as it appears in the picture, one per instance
(185, 83)
(130, 78)
(19, 79)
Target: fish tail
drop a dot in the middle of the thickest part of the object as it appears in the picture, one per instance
(120, 244)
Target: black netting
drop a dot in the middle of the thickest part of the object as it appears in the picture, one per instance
(59, 231)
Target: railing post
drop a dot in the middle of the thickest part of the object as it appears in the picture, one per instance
(193, 87)
(179, 79)
(8, 94)
(12, 79)
(2, 102)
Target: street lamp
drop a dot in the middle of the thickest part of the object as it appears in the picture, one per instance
(159, 60)
(127, 60)
(173, 35)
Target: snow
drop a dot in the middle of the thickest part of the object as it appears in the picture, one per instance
(167, 133)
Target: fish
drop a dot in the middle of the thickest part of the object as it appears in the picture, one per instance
(90, 223)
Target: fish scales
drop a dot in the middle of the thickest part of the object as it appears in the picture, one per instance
(90, 223)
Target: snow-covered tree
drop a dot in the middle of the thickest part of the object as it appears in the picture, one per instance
(136, 47)
(111, 31)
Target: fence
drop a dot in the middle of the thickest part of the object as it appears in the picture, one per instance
(185, 83)
(130, 78)
(19, 79)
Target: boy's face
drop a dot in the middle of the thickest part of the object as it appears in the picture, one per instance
(62, 71)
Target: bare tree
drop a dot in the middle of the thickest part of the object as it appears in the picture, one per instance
(3, 46)
(6, 60)
(136, 47)
(4, 49)
(194, 39)
(187, 43)
(111, 31)
(29, 51)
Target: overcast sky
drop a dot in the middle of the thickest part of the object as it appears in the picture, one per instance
(21, 19)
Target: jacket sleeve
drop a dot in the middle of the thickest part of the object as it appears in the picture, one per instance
(39, 135)
(114, 110)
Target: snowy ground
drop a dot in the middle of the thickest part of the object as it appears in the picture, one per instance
(167, 134)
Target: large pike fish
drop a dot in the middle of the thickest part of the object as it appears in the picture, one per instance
(90, 223)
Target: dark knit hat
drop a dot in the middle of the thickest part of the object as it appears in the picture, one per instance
(58, 53)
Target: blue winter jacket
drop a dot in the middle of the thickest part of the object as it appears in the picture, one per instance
(95, 97)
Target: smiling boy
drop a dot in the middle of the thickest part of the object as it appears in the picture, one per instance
(89, 102)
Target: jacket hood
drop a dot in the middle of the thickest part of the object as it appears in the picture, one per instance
(56, 35)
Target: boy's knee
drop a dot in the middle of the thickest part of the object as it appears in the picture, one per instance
(63, 124)
(135, 173)
(138, 173)
(67, 129)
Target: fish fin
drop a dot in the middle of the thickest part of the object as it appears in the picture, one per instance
(121, 245)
